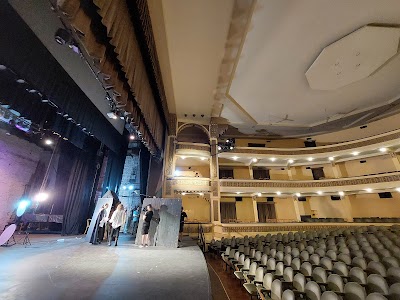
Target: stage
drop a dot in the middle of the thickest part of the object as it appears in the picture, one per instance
(56, 267)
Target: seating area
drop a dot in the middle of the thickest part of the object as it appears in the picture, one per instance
(354, 263)
(324, 220)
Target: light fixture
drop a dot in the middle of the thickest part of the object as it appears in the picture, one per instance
(298, 194)
(331, 158)
(183, 157)
(259, 194)
(319, 192)
(21, 81)
(235, 157)
(341, 193)
(42, 196)
(254, 160)
(132, 137)
(124, 187)
(355, 153)
(22, 205)
(290, 161)
(238, 193)
(130, 187)
(278, 193)
(201, 194)
(398, 189)
(219, 148)
(310, 159)
(177, 173)
(383, 149)
(203, 158)
(272, 159)
(112, 115)
(183, 194)
(231, 147)
(368, 190)
(227, 141)
(48, 142)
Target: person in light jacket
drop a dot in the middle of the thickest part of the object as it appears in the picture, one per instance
(117, 220)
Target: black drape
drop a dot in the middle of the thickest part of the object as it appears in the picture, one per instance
(114, 170)
(78, 191)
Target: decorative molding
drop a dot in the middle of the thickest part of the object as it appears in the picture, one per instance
(168, 187)
(273, 228)
(215, 210)
(172, 124)
(214, 188)
(390, 177)
(169, 161)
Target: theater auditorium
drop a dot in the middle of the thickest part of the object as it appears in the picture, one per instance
(200, 149)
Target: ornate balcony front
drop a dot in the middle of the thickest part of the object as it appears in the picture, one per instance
(179, 185)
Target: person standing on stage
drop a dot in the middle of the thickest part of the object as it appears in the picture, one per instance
(135, 220)
(183, 216)
(117, 220)
(146, 226)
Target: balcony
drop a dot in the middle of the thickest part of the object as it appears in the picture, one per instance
(376, 182)
(189, 184)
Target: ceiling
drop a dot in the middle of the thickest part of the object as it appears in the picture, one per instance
(248, 62)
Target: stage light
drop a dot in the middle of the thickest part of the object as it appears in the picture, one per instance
(42, 196)
(48, 142)
(22, 205)
(130, 187)
(219, 148)
(341, 194)
(131, 137)
(231, 147)
(124, 187)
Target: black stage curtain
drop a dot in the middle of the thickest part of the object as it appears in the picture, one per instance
(144, 157)
(154, 177)
(24, 53)
(114, 170)
(78, 190)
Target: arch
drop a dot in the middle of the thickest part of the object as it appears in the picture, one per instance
(191, 132)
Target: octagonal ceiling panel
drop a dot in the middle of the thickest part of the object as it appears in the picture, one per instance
(354, 57)
(285, 38)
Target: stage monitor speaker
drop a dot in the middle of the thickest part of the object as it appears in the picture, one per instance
(385, 195)
(238, 199)
(310, 144)
(334, 198)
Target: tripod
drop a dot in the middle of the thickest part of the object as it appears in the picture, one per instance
(26, 240)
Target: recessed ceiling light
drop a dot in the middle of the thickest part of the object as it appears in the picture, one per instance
(272, 159)
(254, 160)
(298, 194)
(183, 194)
(48, 142)
(131, 137)
(369, 190)
(259, 194)
(331, 158)
(319, 193)
(398, 189)
(183, 157)
(201, 194)
(290, 161)
(310, 159)
(278, 193)
(341, 193)
(235, 157)
(203, 158)
(383, 149)
(355, 153)
(238, 193)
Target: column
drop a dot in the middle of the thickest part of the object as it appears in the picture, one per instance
(336, 171)
(347, 208)
(297, 209)
(255, 210)
(290, 174)
(395, 160)
(169, 161)
(214, 175)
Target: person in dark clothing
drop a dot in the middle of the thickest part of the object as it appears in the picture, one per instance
(146, 226)
(182, 223)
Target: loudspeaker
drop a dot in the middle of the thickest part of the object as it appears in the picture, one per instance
(334, 198)
(238, 199)
(302, 199)
(310, 144)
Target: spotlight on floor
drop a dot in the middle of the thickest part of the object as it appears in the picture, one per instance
(42, 196)
(22, 205)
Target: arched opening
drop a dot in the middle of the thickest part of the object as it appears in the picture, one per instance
(193, 133)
